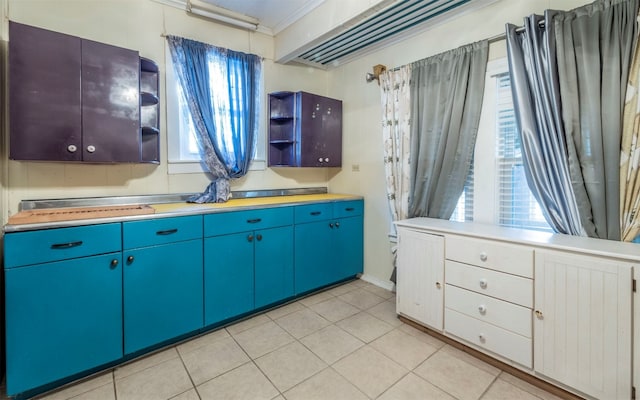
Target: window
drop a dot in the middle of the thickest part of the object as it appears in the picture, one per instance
(500, 194)
(516, 205)
(183, 152)
(464, 209)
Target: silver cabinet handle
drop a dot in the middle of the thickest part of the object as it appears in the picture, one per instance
(91, 148)
(59, 246)
(72, 148)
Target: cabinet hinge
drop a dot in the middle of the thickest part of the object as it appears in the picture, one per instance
(633, 285)
(633, 393)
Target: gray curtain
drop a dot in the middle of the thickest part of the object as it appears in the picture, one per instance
(446, 99)
(594, 46)
(536, 100)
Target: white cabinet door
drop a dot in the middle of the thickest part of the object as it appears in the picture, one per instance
(420, 277)
(582, 322)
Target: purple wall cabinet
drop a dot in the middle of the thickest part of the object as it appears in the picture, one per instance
(72, 99)
(305, 130)
(149, 111)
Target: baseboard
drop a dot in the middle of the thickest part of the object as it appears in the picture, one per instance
(388, 285)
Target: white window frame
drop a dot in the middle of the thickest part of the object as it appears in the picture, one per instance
(178, 165)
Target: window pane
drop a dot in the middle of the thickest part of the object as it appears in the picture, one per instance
(188, 144)
(517, 207)
(464, 209)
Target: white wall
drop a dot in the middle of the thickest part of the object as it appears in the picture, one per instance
(362, 143)
(138, 25)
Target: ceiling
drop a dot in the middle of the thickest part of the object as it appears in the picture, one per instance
(372, 26)
(274, 15)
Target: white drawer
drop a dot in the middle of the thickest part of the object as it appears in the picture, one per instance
(505, 315)
(505, 257)
(486, 336)
(511, 288)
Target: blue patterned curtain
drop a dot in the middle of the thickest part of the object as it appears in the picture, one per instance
(225, 121)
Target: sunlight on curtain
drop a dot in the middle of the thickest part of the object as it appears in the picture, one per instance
(446, 99)
(223, 90)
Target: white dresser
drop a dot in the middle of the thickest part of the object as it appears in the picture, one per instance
(555, 306)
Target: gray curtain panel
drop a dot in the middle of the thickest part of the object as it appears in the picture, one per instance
(594, 46)
(536, 99)
(446, 99)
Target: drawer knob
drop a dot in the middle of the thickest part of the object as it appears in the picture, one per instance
(438, 285)
(483, 256)
(539, 314)
(482, 338)
(130, 259)
(482, 309)
(114, 263)
(483, 283)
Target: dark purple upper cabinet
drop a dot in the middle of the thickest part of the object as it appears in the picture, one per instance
(72, 99)
(44, 95)
(319, 131)
(110, 103)
(305, 130)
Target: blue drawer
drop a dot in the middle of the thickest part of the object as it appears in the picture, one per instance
(349, 208)
(34, 247)
(160, 231)
(313, 212)
(242, 221)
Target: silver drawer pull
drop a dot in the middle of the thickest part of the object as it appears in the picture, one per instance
(482, 309)
(483, 256)
(483, 283)
(59, 246)
(167, 232)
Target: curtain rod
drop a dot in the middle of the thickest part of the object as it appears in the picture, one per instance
(503, 36)
(493, 39)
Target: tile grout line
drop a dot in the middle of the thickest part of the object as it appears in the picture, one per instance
(495, 378)
(253, 361)
(193, 385)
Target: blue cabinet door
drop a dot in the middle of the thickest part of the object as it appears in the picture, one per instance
(348, 247)
(62, 318)
(163, 294)
(273, 265)
(313, 256)
(228, 276)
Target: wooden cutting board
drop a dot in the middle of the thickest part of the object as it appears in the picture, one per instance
(74, 213)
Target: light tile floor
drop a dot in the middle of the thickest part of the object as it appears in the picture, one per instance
(344, 343)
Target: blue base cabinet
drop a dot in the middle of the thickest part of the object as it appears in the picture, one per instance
(313, 256)
(328, 244)
(62, 317)
(87, 297)
(273, 265)
(349, 244)
(248, 261)
(228, 276)
(163, 295)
